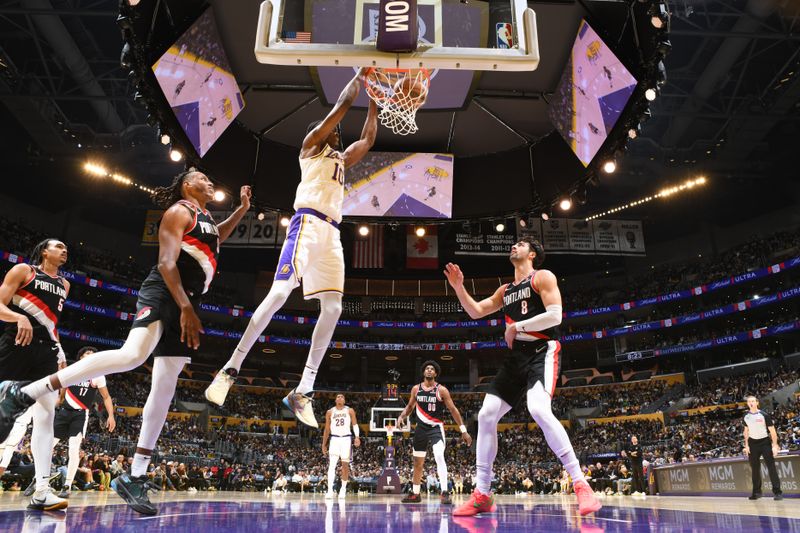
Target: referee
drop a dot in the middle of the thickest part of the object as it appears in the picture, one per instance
(759, 433)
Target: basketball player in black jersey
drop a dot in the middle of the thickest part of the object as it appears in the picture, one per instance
(428, 398)
(72, 418)
(166, 322)
(532, 308)
(32, 297)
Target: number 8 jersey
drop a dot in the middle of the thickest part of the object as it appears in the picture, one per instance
(322, 183)
(521, 302)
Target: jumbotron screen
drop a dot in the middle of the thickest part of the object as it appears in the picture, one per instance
(196, 79)
(592, 94)
(393, 184)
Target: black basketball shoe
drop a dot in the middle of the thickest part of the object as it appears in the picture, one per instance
(412, 498)
(444, 499)
(13, 402)
(134, 491)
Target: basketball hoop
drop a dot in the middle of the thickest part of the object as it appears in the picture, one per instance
(399, 93)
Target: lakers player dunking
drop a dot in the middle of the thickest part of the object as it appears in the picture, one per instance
(166, 322)
(532, 307)
(72, 418)
(32, 297)
(338, 421)
(312, 251)
(430, 398)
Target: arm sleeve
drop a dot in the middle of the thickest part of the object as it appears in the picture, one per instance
(550, 318)
(99, 382)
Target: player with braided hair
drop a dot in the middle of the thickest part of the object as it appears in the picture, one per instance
(166, 322)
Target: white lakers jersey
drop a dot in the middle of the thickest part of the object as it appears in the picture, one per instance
(322, 183)
(340, 422)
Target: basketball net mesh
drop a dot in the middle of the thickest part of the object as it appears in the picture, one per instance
(399, 93)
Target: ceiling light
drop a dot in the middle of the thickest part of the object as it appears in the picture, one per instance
(335, 356)
(165, 139)
(391, 358)
(565, 204)
(610, 166)
(363, 231)
(420, 231)
(284, 221)
(500, 227)
(545, 217)
(261, 215)
(659, 17)
(446, 358)
(175, 155)
(650, 94)
(522, 223)
(97, 170)
(219, 196)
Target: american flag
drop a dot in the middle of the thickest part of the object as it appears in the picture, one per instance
(294, 37)
(368, 251)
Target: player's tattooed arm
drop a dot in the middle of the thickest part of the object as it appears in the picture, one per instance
(412, 401)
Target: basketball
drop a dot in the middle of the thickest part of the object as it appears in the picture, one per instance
(413, 87)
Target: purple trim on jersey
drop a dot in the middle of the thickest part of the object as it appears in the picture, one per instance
(321, 216)
(285, 268)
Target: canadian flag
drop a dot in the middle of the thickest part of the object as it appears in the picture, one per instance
(422, 252)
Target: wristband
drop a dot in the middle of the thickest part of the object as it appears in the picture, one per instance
(356, 431)
(463, 428)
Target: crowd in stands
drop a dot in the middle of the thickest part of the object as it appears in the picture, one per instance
(726, 390)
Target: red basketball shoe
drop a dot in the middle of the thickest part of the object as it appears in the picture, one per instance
(587, 501)
(477, 503)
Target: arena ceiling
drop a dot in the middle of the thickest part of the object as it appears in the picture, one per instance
(730, 107)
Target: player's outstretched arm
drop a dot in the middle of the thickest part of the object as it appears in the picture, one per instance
(227, 226)
(356, 151)
(474, 309)
(316, 136)
(451, 406)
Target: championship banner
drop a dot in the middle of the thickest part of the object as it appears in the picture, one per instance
(489, 244)
(250, 232)
(578, 236)
(725, 477)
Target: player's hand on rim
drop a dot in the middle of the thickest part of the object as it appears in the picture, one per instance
(454, 275)
(24, 331)
(191, 328)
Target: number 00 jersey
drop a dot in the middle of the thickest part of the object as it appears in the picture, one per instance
(429, 405)
(521, 302)
(341, 422)
(41, 299)
(81, 396)
(322, 183)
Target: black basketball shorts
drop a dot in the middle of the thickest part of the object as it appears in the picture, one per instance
(425, 435)
(26, 363)
(70, 422)
(527, 364)
(156, 303)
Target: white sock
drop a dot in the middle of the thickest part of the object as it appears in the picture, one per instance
(42, 438)
(139, 344)
(277, 296)
(140, 464)
(441, 465)
(490, 414)
(415, 489)
(330, 304)
(554, 433)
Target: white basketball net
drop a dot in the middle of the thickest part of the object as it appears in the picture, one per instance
(399, 93)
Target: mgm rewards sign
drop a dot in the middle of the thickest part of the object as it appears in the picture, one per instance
(726, 477)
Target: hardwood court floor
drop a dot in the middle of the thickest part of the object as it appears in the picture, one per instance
(229, 512)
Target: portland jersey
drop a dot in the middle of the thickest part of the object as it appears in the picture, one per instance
(41, 300)
(340, 422)
(197, 261)
(81, 396)
(322, 183)
(521, 302)
(429, 406)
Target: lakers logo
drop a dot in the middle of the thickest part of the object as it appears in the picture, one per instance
(285, 269)
(143, 313)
